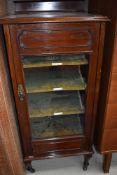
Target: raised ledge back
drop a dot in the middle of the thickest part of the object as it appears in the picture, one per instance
(23, 6)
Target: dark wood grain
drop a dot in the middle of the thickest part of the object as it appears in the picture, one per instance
(23, 6)
(91, 81)
(26, 6)
(114, 69)
(46, 38)
(99, 71)
(9, 143)
(107, 162)
(109, 141)
(61, 35)
(111, 116)
(43, 146)
(10, 149)
(51, 17)
(105, 132)
(3, 8)
(26, 141)
(55, 38)
(4, 165)
(60, 154)
(112, 97)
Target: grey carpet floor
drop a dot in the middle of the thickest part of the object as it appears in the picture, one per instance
(72, 166)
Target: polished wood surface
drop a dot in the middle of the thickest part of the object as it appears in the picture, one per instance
(27, 151)
(22, 6)
(3, 7)
(111, 113)
(109, 140)
(50, 38)
(55, 33)
(19, 78)
(41, 147)
(10, 152)
(112, 97)
(42, 17)
(106, 125)
(44, 36)
(107, 162)
(4, 165)
(114, 66)
(65, 146)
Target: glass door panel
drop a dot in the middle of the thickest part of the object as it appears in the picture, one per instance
(56, 60)
(56, 88)
(54, 79)
(57, 103)
(56, 126)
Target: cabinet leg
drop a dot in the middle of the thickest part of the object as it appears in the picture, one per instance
(107, 162)
(86, 161)
(29, 167)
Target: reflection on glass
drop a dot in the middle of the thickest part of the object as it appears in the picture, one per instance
(54, 79)
(56, 93)
(57, 126)
(56, 60)
(49, 104)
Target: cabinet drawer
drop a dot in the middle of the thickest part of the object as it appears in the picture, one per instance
(48, 146)
(113, 90)
(111, 116)
(115, 57)
(45, 38)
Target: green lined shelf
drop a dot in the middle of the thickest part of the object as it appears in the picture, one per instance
(56, 126)
(54, 80)
(58, 60)
(55, 103)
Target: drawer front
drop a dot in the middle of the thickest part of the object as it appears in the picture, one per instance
(46, 38)
(115, 57)
(111, 116)
(113, 90)
(52, 146)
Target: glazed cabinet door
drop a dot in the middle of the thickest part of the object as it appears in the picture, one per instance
(53, 70)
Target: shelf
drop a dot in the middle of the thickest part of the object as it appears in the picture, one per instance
(56, 126)
(46, 61)
(55, 103)
(54, 80)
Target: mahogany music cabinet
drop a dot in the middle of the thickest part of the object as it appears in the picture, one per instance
(55, 64)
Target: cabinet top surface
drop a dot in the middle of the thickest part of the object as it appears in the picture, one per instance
(51, 17)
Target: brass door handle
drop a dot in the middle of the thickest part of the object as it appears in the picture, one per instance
(21, 93)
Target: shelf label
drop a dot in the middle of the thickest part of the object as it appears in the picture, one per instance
(57, 89)
(57, 64)
(58, 113)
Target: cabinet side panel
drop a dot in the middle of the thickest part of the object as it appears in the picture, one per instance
(109, 10)
(99, 67)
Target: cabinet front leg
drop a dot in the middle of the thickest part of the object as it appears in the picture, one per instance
(29, 167)
(107, 162)
(86, 161)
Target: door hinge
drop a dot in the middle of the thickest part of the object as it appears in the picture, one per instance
(21, 93)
